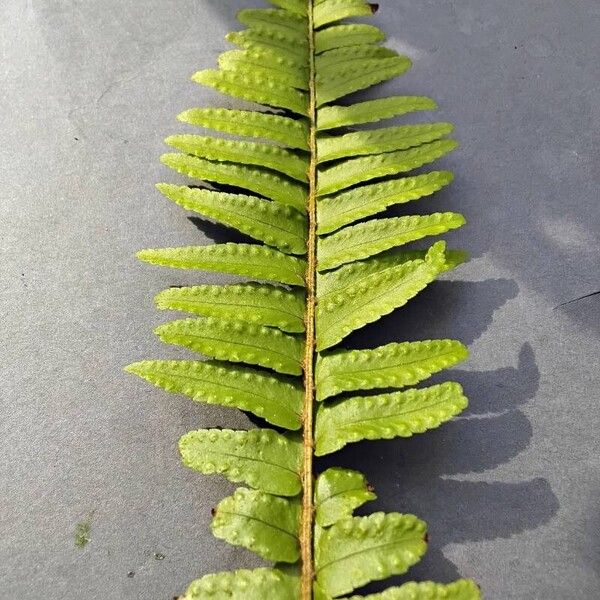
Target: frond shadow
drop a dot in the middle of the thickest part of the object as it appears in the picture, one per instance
(220, 233)
(437, 314)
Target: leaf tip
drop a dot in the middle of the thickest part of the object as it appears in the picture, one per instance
(161, 299)
(171, 140)
(145, 255)
(201, 76)
(161, 330)
(167, 158)
(134, 368)
(165, 188)
(184, 116)
(128, 369)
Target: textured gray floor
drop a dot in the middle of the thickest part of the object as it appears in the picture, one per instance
(511, 492)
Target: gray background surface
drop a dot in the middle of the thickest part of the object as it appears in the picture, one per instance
(88, 90)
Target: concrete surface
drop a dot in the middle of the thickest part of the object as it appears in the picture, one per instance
(511, 491)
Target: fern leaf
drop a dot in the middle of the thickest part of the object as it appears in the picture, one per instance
(291, 132)
(331, 117)
(340, 57)
(255, 88)
(261, 304)
(330, 11)
(244, 585)
(348, 61)
(274, 399)
(260, 522)
(374, 296)
(355, 273)
(284, 71)
(236, 341)
(398, 414)
(361, 74)
(261, 458)
(393, 365)
(346, 276)
(287, 28)
(248, 260)
(262, 38)
(251, 153)
(271, 17)
(274, 224)
(255, 179)
(381, 140)
(338, 492)
(279, 29)
(463, 589)
(340, 36)
(372, 237)
(367, 200)
(357, 170)
(357, 550)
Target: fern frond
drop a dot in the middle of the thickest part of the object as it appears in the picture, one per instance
(463, 589)
(237, 259)
(372, 237)
(261, 304)
(236, 341)
(250, 153)
(338, 492)
(367, 200)
(262, 458)
(357, 170)
(290, 132)
(265, 524)
(398, 414)
(357, 550)
(244, 585)
(276, 400)
(308, 191)
(331, 117)
(261, 181)
(272, 223)
(376, 141)
(340, 36)
(390, 366)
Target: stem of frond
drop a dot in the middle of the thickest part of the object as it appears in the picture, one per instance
(306, 532)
